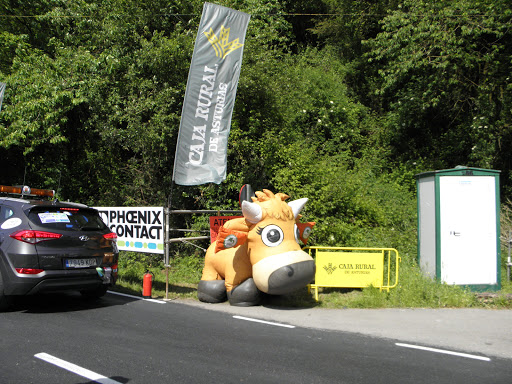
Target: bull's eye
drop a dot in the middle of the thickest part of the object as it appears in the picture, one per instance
(271, 235)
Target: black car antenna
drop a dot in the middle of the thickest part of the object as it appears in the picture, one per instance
(24, 177)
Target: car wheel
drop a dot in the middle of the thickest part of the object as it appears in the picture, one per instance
(95, 293)
(4, 300)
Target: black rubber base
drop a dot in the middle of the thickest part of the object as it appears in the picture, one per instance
(211, 291)
(245, 294)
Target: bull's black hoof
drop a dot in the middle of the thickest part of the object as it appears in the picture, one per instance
(245, 294)
(211, 291)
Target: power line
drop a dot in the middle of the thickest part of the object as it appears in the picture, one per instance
(92, 17)
(197, 15)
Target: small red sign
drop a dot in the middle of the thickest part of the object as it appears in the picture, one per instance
(216, 222)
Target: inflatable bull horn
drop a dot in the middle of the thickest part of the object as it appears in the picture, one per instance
(258, 253)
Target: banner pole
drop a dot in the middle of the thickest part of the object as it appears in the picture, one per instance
(167, 241)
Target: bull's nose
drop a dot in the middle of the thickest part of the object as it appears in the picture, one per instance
(291, 277)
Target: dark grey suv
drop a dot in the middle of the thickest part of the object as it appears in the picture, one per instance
(48, 246)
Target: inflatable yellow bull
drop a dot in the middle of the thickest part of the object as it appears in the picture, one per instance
(258, 253)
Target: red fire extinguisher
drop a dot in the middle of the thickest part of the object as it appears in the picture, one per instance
(147, 284)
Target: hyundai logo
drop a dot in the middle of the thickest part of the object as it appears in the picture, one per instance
(84, 238)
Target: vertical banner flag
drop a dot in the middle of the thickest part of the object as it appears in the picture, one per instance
(201, 150)
(2, 90)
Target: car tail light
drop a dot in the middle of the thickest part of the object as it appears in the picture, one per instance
(34, 237)
(110, 236)
(29, 271)
(114, 270)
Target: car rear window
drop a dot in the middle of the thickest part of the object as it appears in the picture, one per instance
(72, 219)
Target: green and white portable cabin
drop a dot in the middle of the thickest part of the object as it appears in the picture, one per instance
(459, 227)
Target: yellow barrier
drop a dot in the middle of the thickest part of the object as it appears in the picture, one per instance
(344, 267)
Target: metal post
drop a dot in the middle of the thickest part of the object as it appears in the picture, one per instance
(509, 263)
(167, 283)
(167, 258)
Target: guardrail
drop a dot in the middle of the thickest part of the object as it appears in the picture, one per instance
(354, 267)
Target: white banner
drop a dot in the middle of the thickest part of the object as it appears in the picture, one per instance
(138, 229)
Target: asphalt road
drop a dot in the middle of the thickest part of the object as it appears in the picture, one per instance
(481, 331)
(65, 339)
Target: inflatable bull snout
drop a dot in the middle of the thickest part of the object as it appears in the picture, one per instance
(258, 253)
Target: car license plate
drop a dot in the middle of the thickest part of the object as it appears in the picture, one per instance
(80, 263)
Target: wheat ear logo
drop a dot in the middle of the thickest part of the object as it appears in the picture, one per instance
(222, 45)
(329, 268)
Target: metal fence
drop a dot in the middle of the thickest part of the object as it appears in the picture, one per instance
(168, 240)
(354, 267)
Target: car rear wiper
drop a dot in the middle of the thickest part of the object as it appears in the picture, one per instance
(90, 228)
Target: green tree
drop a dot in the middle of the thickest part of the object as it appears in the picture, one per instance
(349, 22)
(95, 102)
(445, 83)
(98, 106)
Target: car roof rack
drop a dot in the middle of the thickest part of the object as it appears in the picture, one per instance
(27, 191)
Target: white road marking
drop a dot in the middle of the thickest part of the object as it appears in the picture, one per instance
(264, 322)
(444, 351)
(137, 297)
(75, 369)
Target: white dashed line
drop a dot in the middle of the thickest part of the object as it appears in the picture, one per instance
(75, 369)
(264, 322)
(137, 297)
(466, 355)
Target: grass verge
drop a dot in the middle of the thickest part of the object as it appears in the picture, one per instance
(413, 291)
